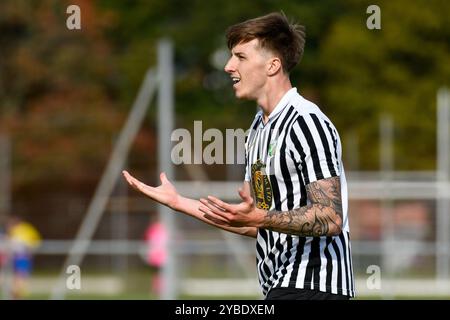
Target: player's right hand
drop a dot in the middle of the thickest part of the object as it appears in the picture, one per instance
(165, 194)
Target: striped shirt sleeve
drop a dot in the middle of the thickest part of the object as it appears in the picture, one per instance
(248, 136)
(247, 174)
(313, 144)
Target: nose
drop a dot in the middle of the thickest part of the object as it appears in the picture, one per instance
(229, 67)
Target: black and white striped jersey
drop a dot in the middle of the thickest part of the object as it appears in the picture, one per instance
(298, 145)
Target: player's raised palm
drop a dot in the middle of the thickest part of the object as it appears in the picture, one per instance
(165, 194)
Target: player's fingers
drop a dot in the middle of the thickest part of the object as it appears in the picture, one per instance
(130, 180)
(142, 187)
(243, 193)
(135, 183)
(244, 196)
(211, 216)
(214, 209)
(211, 204)
(219, 203)
(127, 176)
(217, 222)
(163, 178)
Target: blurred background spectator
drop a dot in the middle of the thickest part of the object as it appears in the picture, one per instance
(23, 239)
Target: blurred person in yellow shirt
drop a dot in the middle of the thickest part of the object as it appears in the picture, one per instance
(24, 238)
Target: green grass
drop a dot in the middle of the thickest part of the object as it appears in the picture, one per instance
(136, 286)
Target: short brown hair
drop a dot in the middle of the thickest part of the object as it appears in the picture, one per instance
(274, 33)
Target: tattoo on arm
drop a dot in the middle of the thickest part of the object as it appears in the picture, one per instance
(322, 217)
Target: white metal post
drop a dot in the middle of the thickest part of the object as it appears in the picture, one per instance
(443, 207)
(107, 182)
(119, 224)
(387, 225)
(165, 128)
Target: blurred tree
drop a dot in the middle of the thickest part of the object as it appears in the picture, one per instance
(57, 92)
(396, 70)
(198, 30)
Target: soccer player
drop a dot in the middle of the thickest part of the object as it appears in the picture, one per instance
(294, 197)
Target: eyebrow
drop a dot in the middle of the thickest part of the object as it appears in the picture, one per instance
(238, 53)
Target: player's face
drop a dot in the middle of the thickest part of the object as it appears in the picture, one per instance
(247, 68)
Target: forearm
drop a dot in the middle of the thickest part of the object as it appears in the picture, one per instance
(314, 220)
(323, 217)
(191, 208)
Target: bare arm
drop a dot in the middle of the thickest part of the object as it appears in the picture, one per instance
(166, 194)
(322, 217)
(191, 208)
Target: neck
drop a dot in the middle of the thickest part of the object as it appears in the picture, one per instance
(272, 95)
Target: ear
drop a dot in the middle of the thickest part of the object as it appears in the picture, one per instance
(274, 66)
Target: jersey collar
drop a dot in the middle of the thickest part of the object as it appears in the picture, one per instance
(283, 103)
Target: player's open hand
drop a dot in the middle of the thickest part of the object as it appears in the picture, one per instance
(234, 215)
(165, 194)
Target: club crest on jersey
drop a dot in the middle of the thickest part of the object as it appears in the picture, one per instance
(261, 186)
(272, 147)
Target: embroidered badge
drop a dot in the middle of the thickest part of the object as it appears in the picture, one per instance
(261, 186)
(272, 147)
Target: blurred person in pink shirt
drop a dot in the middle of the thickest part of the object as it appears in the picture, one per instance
(156, 238)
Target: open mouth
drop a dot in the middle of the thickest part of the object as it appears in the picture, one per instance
(235, 79)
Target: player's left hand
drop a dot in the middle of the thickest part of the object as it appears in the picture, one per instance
(243, 214)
